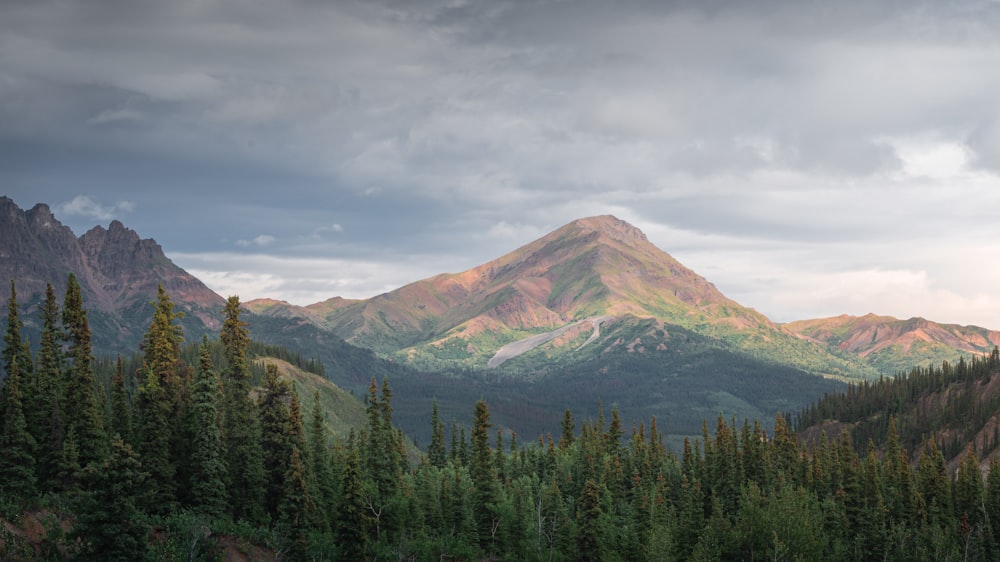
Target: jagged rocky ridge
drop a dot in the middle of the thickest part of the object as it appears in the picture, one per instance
(118, 273)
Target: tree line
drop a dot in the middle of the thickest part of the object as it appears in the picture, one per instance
(155, 463)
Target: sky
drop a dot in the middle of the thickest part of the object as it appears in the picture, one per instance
(809, 158)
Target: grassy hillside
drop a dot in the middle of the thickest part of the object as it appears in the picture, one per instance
(343, 411)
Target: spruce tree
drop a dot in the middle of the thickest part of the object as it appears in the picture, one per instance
(276, 443)
(567, 428)
(590, 540)
(435, 452)
(382, 455)
(295, 513)
(394, 438)
(453, 451)
(45, 419)
(483, 475)
(17, 446)
(161, 347)
(969, 505)
(121, 410)
(16, 348)
(80, 406)
(241, 424)
(155, 428)
(319, 458)
(613, 438)
(17, 356)
(161, 354)
(69, 472)
(353, 515)
(991, 501)
(208, 471)
(111, 526)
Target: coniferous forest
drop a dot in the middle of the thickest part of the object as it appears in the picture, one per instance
(189, 449)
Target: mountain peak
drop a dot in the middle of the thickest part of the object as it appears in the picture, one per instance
(610, 226)
(582, 273)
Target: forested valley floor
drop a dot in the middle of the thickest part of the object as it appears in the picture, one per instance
(197, 452)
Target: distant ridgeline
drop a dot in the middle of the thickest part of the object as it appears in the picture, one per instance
(184, 441)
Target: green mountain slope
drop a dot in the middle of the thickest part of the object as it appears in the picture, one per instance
(342, 410)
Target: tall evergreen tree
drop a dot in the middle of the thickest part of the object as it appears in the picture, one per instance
(590, 542)
(17, 446)
(241, 424)
(353, 517)
(208, 471)
(319, 457)
(483, 476)
(80, 406)
(991, 501)
(933, 484)
(111, 525)
(567, 430)
(121, 409)
(297, 507)
(155, 429)
(435, 451)
(17, 357)
(16, 348)
(970, 507)
(161, 346)
(613, 438)
(381, 453)
(161, 439)
(296, 426)
(276, 442)
(394, 438)
(69, 473)
(45, 418)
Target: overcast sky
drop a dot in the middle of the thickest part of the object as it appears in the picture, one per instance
(810, 158)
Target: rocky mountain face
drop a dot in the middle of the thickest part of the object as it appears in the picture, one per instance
(891, 345)
(118, 274)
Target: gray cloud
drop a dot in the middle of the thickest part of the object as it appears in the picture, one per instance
(805, 138)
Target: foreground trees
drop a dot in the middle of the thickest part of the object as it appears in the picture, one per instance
(170, 451)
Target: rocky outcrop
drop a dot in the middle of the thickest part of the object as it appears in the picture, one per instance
(118, 273)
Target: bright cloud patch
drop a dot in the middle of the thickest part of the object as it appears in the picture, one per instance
(937, 160)
(300, 281)
(262, 240)
(84, 206)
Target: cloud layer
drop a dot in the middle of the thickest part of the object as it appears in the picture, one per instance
(808, 158)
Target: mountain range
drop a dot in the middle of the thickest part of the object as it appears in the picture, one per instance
(891, 345)
(118, 274)
(588, 313)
